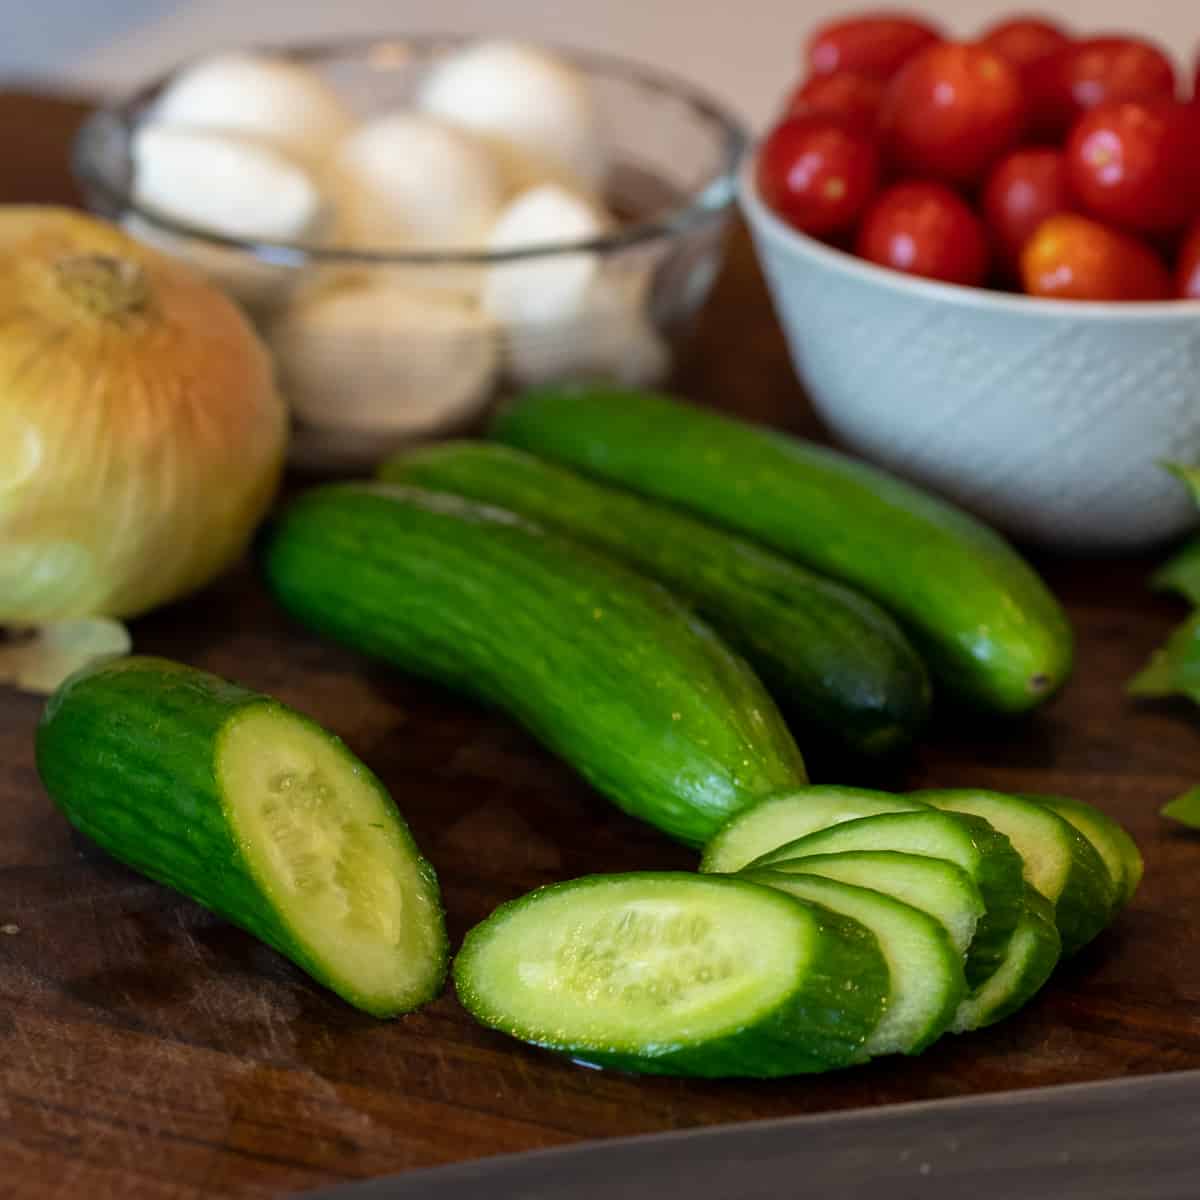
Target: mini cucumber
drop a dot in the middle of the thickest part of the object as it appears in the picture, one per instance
(772, 822)
(606, 668)
(1118, 850)
(834, 661)
(968, 842)
(255, 812)
(935, 886)
(670, 973)
(1029, 961)
(925, 970)
(1060, 862)
(991, 630)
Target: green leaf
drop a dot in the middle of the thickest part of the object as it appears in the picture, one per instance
(1181, 573)
(1189, 475)
(1174, 670)
(1185, 809)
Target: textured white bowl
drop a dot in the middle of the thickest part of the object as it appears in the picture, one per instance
(1048, 418)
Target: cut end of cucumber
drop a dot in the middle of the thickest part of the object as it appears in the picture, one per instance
(634, 965)
(335, 860)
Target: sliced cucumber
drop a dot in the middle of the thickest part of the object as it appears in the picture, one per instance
(1060, 862)
(1118, 850)
(257, 813)
(790, 815)
(992, 863)
(1030, 959)
(925, 970)
(671, 973)
(937, 887)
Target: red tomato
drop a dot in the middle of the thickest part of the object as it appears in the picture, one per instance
(1072, 258)
(818, 173)
(1087, 74)
(1025, 40)
(952, 111)
(925, 229)
(854, 98)
(877, 44)
(1187, 269)
(1137, 164)
(1022, 191)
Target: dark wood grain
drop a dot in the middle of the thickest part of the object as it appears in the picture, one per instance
(149, 1050)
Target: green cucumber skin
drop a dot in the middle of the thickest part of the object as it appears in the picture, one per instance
(955, 986)
(831, 658)
(606, 668)
(999, 877)
(127, 751)
(1081, 910)
(1037, 921)
(1123, 849)
(821, 1028)
(990, 629)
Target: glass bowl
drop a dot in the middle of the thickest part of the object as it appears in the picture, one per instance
(363, 387)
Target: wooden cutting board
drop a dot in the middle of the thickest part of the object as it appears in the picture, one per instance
(149, 1050)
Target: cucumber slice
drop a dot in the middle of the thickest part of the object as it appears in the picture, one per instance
(993, 865)
(1060, 862)
(925, 969)
(933, 885)
(1031, 957)
(255, 812)
(793, 814)
(670, 973)
(1118, 850)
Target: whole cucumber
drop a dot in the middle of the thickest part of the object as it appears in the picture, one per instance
(605, 667)
(831, 658)
(992, 632)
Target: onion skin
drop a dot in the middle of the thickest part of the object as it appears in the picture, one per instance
(142, 437)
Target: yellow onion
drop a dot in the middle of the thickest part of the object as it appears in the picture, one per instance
(141, 433)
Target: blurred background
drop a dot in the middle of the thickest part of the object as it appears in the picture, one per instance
(743, 50)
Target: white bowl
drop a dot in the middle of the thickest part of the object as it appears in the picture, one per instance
(1048, 418)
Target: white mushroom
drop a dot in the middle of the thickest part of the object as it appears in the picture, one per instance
(269, 98)
(609, 336)
(363, 353)
(535, 108)
(224, 183)
(545, 288)
(409, 181)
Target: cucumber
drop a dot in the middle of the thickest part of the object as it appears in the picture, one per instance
(669, 973)
(990, 629)
(606, 668)
(1060, 862)
(780, 819)
(935, 886)
(833, 660)
(255, 812)
(1029, 961)
(926, 984)
(1116, 848)
(993, 865)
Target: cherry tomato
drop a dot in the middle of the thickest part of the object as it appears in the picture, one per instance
(952, 111)
(926, 229)
(877, 44)
(1025, 40)
(818, 173)
(1137, 164)
(1086, 74)
(1022, 191)
(1187, 269)
(853, 98)
(1073, 258)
